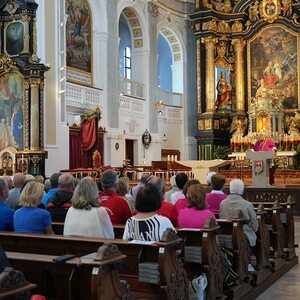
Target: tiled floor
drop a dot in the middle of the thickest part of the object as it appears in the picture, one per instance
(288, 286)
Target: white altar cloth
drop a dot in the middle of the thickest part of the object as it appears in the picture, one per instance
(200, 168)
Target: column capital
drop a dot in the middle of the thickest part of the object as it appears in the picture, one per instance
(238, 44)
(209, 41)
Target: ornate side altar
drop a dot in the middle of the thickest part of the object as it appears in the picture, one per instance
(247, 74)
(21, 90)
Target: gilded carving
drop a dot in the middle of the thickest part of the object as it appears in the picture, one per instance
(270, 10)
(287, 8)
(222, 49)
(6, 64)
(254, 11)
(237, 26)
(207, 4)
(199, 75)
(223, 27)
(211, 25)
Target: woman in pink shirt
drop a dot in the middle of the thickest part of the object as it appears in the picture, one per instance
(195, 215)
(216, 196)
(182, 203)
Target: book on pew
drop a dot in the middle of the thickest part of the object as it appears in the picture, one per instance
(148, 272)
(139, 242)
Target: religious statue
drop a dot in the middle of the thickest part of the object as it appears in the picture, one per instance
(286, 8)
(238, 126)
(254, 11)
(224, 90)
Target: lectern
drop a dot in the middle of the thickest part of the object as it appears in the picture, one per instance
(261, 163)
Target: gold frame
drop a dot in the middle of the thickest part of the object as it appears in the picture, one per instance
(297, 35)
(263, 10)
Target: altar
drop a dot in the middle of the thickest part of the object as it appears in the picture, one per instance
(200, 168)
(285, 159)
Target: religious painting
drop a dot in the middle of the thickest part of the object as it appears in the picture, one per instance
(14, 38)
(273, 66)
(11, 111)
(79, 42)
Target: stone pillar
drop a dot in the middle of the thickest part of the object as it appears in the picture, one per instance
(239, 74)
(210, 43)
(34, 115)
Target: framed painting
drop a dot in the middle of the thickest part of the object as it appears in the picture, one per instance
(273, 65)
(79, 42)
(14, 38)
(11, 111)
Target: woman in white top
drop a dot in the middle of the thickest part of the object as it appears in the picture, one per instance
(86, 218)
(147, 225)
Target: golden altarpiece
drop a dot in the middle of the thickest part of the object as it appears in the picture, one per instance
(247, 73)
(21, 90)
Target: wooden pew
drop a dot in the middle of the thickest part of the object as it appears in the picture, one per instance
(161, 256)
(202, 253)
(262, 248)
(58, 228)
(287, 220)
(231, 235)
(77, 278)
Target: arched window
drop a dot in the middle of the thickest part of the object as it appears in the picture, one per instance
(124, 49)
(164, 64)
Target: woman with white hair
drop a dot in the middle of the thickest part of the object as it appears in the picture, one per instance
(235, 202)
(85, 217)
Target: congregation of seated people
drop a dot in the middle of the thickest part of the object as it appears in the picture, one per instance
(91, 209)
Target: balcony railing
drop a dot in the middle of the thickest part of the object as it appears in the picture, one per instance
(83, 97)
(131, 88)
(169, 98)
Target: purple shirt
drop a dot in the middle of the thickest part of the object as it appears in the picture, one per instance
(214, 200)
(264, 146)
(193, 218)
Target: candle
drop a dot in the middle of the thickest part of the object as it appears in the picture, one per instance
(175, 157)
(168, 159)
(172, 157)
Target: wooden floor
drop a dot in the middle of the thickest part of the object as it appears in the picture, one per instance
(288, 286)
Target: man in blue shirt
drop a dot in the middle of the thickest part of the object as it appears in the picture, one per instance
(54, 188)
(6, 213)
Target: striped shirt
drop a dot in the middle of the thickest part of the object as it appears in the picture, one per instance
(149, 229)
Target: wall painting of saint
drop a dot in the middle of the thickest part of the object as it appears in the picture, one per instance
(11, 111)
(78, 42)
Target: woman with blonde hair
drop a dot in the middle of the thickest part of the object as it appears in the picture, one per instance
(30, 218)
(85, 217)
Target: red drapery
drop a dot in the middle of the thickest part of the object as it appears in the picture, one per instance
(91, 137)
(75, 149)
(88, 133)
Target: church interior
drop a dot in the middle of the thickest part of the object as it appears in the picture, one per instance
(155, 88)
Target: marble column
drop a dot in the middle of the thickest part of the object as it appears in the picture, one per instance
(34, 115)
(210, 43)
(239, 74)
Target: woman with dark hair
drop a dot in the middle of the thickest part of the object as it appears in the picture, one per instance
(195, 215)
(216, 196)
(147, 225)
